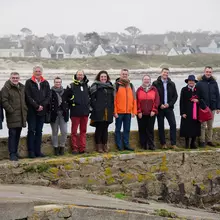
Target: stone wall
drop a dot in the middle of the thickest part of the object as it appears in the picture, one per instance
(192, 178)
(48, 150)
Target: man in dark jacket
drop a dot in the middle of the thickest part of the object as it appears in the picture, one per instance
(13, 101)
(168, 97)
(209, 93)
(37, 91)
(78, 96)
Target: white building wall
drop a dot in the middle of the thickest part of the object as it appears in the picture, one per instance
(172, 52)
(100, 52)
(45, 53)
(11, 52)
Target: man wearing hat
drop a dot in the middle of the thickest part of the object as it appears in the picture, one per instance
(209, 93)
(190, 127)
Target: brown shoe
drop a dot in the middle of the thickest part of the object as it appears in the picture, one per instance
(164, 146)
(105, 148)
(99, 148)
(174, 147)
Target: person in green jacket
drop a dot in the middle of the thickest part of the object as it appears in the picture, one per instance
(13, 101)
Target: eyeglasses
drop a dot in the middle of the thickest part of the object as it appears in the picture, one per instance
(15, 78)
(208, 71)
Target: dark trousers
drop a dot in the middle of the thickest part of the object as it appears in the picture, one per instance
(146, 131)
(101, 132)
(13, 140)
(34, 137)
(124, 119)
(169, 115)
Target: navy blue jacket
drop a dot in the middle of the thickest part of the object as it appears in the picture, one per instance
(208, 91)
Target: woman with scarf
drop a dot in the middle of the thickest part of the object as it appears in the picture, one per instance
(190, 127)
(147, 107)
(102, 103)
(59, 111)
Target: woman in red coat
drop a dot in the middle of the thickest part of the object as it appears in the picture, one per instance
(147, 107)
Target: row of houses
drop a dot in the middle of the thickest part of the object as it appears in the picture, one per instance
(68, 48)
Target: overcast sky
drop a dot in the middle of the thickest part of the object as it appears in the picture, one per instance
(72, 16)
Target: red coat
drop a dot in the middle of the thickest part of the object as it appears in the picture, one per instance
(147, 101)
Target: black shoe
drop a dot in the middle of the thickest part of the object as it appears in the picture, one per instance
(211, 144)
(13, 157)
(40, 155)
(31, 155)
(120, 148)
(193, 146)
(202, 144)
(62, 151)
(82, 152)
(152, 148)
(129, 149)
(56, 151)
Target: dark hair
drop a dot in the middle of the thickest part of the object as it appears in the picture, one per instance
(97, 78)
(124, 69)
(208, 67)
(57, 78)
(165, 69)
(14, 73)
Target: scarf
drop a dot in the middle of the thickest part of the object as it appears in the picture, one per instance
(97, 85)
(124, 82)
(146, 87)
(59, 92)
(191, 88)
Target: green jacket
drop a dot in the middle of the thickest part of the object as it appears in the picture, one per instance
(13, 101)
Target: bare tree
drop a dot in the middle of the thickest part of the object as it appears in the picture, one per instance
(134, 32)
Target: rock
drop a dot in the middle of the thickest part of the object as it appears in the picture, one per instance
(216, 207)
(64, 213)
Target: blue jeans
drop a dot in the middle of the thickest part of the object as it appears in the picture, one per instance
(126, 120)
(34, 137)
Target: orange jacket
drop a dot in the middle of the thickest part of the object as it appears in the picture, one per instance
(125, 100)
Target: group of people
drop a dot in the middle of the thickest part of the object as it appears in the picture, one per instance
(36, 103)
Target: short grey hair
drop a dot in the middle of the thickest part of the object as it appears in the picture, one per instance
(14, 73)
(36, 67)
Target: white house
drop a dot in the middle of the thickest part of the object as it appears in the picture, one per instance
(100, 52)
(213, 44)
(173, 52)
(45, 53)
(79, 52)
(12, 52)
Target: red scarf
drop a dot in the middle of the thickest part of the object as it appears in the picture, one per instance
(33, 78)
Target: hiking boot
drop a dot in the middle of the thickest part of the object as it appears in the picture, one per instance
(152, 148)
(105, 148)
(174, 147)
(61, 151)
(164, 146)
(13, 157)
(40, 155)
(99, 148)
(56, 151)
(211, 144)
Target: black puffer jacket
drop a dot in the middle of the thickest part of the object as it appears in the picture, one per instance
(209, 92)
(102, 102)
(171, 92)
(36, 97)
(77, 94)
(54, 108)
(1, 111)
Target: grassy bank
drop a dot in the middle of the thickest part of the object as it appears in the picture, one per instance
(131, 61)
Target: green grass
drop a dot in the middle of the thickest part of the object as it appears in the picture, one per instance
(120, 196)
(134, 61)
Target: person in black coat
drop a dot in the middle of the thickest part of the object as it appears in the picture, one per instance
(37, 94)
(168, 97)
(209, 93)
(102, 103)
(1, 112)
(190, 127)
(77, 94)
(59, 113)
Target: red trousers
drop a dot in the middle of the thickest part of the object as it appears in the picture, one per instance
(80, 122)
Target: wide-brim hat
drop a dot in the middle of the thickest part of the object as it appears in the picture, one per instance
(191, 78)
